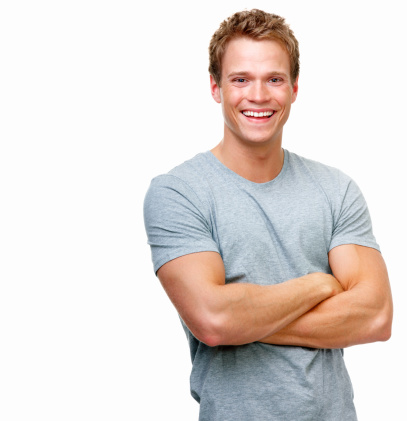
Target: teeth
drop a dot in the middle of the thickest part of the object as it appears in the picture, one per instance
(256, 114)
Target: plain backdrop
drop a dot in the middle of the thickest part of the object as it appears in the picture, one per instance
(98, 97)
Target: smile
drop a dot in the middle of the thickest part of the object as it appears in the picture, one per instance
(258, 115)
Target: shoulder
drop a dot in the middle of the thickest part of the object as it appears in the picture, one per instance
(187, 175)
(182, 187)
(176, 217)
(332, 181)
(317, 169)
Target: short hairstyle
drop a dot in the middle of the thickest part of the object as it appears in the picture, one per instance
(258, 25)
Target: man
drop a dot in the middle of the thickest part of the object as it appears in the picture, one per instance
(268, 257)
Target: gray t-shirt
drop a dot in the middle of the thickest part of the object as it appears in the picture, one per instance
(266, 233)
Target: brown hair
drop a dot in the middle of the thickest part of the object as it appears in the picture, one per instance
(254, 24)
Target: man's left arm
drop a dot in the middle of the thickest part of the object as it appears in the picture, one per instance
(361, 314)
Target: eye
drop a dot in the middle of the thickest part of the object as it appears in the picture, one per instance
(276, 80)
(240, 82)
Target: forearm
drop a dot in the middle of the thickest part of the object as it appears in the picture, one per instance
(233, 314)
(351, 318)
(246, 312)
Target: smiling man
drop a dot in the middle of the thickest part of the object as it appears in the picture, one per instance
(268, 257)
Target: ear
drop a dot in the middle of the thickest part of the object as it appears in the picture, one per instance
(215, 90)
(295, 91)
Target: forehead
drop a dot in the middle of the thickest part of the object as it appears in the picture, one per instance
(246, 54)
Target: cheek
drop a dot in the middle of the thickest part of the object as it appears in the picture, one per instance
(229, 115)
(232, 97)
(230, 103)
(285, 98)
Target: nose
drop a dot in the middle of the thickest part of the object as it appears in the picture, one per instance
(259, 92)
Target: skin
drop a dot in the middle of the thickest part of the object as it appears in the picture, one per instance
(318, 310)
(255, 76)
(236, 314)
(361, 314)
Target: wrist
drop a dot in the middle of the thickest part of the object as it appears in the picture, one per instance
(325, 283)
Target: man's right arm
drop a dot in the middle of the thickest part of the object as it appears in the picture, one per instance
(235, 314)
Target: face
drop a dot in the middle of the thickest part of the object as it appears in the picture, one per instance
(256, 91)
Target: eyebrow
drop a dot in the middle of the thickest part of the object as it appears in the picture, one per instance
(245, 73)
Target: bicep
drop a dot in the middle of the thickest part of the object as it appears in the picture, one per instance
(359, 267)
(190, 282)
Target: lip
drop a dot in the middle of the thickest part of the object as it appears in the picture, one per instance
(258, 110)
(258, 119)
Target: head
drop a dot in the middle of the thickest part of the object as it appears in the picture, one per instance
(257, 25)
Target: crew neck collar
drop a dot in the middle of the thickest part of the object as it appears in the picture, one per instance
(215, 161)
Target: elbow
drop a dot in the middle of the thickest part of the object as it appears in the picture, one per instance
(219, 332)
(209, 323)
(215, 327)
(384, 333)
(208, 333)
(211, 340)
(208, 329)
(382, 326)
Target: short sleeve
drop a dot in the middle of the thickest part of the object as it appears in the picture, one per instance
(352, 223)
(176, 221)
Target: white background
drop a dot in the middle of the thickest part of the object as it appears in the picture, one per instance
(97, 97)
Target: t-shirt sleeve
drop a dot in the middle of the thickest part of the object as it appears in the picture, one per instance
(352, 222)
(176, 221)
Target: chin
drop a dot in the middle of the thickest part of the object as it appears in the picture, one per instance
(260, 140)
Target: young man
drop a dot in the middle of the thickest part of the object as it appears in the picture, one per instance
(268, 257)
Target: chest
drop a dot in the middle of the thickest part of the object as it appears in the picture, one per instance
(272, 235)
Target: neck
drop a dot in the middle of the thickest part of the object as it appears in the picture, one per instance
(258, 163)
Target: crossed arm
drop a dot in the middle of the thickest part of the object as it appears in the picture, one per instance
(361, 314)
(317, 310)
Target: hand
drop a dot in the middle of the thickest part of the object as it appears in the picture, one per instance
(326, 280)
